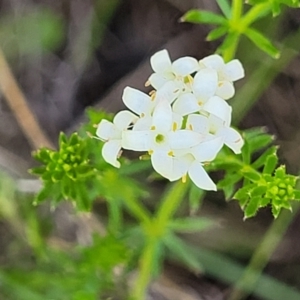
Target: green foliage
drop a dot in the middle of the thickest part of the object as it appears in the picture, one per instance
(275, 4)
(195, 197)
(225, 8)
(77, 171)
(263, 184)
(85, 272)
(66, 173)
(262, 42)
(205, 17)
(234, 24)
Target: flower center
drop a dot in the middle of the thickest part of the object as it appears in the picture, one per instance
(159, 138)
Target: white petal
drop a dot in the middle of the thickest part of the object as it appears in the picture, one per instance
(157, 80)
(205, 84)
(177, 120)
(124, 118)
(198, 123)
(218, 107)
(183, 139)
(110, 152)
(169, 91)
(136, 140)
(214, 61)
(180, 167)
(186, 104)
(137, 101)
(162, 163)
(200, 177)
(225, 90)
(107, 130)
(161, 62)
(185, 66)
(234, 70)
(143, 123)
(162, 117)
(215, 124)
(232, 139)
(207, 151)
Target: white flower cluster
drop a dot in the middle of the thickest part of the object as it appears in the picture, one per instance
(184, 122)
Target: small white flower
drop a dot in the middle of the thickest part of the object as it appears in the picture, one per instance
(144, 105)
(165, 70)
(111, 134)
(191, 162)
(227, 73)
(161, 140)
(202, 98)
(212, 127)
(139, 102)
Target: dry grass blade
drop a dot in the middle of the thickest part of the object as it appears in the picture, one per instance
(19, 107)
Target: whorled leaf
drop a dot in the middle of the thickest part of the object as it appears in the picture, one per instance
(262, 42)
(203, 17)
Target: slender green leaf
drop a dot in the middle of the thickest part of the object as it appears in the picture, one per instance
(253, 132)
(190, 224)
(230, 39)
(262, 159)
(258, 191)
(195, 197)
(270, 164)
(178, 248)
(242, 195)
(250, 173)
(225, 8)
(217, 33)
(158, 257)
(262, 42)
(260, 141)
(264, 202)
(252, 207)
(204, 17)
(257, 12)
(228, 184)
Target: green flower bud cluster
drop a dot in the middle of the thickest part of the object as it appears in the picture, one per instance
(280, 189)
(69, 161)
(277, 190)
(263, 182)
(65, 172)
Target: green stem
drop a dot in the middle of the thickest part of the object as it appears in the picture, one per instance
(115, 216)
(171, 202)
(145, 269)
(154, 233)
(138, 210)
(237, 11)
(262, 255)
(255, 13)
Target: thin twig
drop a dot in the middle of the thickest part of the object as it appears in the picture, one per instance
(19, 107)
